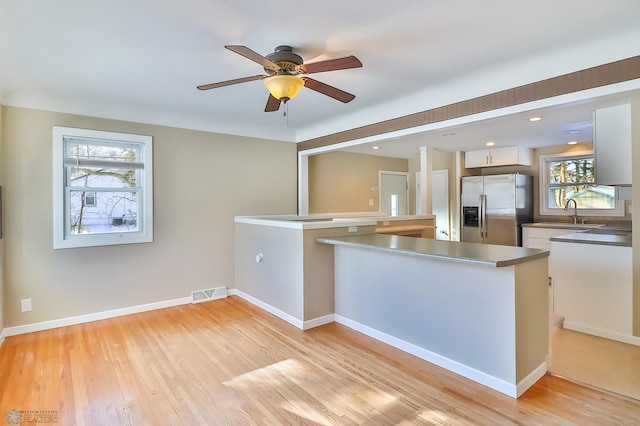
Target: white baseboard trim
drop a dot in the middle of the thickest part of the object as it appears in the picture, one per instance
(80, 319)
(531, 379)
(272, 310)
(317, 322)
(302, 325)
(495, 383)
(2, 336)
(632, 340)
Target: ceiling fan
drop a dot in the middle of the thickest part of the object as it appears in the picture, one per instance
(285, 75)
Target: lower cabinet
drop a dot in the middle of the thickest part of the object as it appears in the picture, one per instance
(593, 288)
(538, 238)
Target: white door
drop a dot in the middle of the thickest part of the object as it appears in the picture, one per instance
(440, 201)
(394, 193)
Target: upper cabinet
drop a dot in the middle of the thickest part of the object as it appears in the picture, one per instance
(507, 156)
(612, 145)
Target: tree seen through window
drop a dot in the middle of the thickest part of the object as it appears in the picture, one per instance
(574, 178)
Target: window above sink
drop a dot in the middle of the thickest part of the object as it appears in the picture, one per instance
(570, 176)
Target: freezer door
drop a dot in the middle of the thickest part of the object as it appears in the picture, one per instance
(471, 193)
(501, 225)
(471, 190)
(502, 230)
(471, 235)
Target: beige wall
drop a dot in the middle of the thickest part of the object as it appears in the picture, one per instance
(343, 181)
(202, 180)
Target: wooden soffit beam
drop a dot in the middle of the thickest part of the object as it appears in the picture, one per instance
(601, 75)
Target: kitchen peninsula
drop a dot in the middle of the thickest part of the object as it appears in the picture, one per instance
(476, 309)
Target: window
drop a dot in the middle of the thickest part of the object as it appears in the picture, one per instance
(102, 188)
(90, 199)
(565, 177)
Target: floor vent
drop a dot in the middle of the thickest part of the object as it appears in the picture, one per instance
(208, 294)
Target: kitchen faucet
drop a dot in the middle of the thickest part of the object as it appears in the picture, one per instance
(575, 209)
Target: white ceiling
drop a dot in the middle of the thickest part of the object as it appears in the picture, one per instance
(141, 60)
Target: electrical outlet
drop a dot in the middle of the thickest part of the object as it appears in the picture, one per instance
(353, 229)
(630, 208)
(25, 305)
(370, 202)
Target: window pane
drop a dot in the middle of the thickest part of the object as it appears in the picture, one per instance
(105, 151)
(112, 212)
(98, 177)
(90, 199)
(578, 170)
(586, 196)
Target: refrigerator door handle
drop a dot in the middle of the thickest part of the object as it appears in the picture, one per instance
(483, 215)
(480, 214)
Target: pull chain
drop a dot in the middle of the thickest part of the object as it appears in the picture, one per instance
(285, 113)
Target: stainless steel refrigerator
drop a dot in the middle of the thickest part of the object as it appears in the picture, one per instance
(495, 206)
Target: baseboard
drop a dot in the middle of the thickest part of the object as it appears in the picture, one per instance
(317, 322)
(272, 310)
(2, 336)
(531, 379)
(632, 340)
(494, 383)
(80, 319)
(302, 325)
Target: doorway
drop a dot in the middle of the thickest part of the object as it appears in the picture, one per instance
(394, 193)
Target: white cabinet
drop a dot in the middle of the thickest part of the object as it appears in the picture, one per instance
(511, 155)
(478, 158)
(593, 289)
(538, 238)
(612, 145)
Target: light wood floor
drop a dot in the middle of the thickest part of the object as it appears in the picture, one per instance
(227, 362)
(604, 363)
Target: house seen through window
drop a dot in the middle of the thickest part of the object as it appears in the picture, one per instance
(103, 188)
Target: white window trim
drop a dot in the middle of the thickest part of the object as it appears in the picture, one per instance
(61, 239)
(544, 183)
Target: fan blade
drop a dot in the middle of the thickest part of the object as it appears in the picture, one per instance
(273, 104)
(330, 91)
(255, 57)
(230, 82)
(331, 65)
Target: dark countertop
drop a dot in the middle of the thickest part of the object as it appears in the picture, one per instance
(484, 254)
(616, 234)
(601, 236)
(562, 225)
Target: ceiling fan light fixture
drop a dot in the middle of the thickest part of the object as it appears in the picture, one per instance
(283, 87)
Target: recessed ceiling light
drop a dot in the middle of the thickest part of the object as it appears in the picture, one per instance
(535, 118)
(571, 132)
(375, 147)
(490, 143)
(572, 143)
(449, 134)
